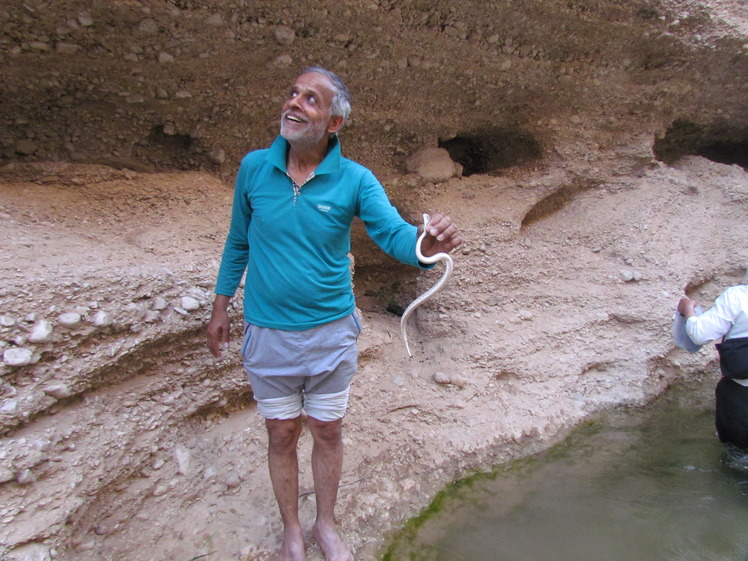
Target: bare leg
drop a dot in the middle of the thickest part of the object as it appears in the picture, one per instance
(327, 464)
(283, 435)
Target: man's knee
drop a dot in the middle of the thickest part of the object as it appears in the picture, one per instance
(326, 432)
(283, 434)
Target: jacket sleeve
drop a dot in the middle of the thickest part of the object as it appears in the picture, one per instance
(385, 226)
(236, 248)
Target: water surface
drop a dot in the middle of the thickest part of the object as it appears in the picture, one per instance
(645, 484)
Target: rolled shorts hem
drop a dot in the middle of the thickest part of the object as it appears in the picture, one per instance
(323, 407)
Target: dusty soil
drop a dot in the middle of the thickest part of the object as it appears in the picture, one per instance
(130, 435)
(590, 135)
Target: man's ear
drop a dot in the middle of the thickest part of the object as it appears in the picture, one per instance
(334, 124)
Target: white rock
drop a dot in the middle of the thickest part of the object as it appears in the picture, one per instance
(232, 480)
(69, 319)
(631, 276)
(148, 25)
(441, 378)
(30, 552)
(215, 19)
(6, 475)
(159, 303)
(17, 357)
(9, 406)
(7, 321)
(58, 391)
(190, 304)
(284, 35)
(182, 456)
(217, 156)
(151, 316)
(458, 381)
(41, 332)
(282, 61)
(7, 391)
(87, 545)
(431, 163)
(101, 319)
(26, 477)
(67, 48)
(39, 45)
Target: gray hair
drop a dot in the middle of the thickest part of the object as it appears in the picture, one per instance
(341, 101)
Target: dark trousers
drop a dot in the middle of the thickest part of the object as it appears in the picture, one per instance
(732, 412)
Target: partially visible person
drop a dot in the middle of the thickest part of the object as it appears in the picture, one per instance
(727, 320)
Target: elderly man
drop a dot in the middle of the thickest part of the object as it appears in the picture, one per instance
(290, 229)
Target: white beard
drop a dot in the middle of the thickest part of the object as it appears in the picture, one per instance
(302, 133)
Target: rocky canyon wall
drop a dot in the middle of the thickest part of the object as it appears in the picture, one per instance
(602, 148)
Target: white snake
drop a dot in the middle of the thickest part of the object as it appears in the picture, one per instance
(431, 291)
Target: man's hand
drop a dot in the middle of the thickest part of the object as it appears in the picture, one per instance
(219, 326)
(686, 306)
(442, 235)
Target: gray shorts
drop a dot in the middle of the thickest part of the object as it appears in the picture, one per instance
(294, 370)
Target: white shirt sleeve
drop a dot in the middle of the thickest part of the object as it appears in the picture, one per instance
(716, 322)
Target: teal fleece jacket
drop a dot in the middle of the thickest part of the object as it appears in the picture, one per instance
(294, 243)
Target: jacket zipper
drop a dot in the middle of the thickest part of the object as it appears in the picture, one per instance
(297, 188)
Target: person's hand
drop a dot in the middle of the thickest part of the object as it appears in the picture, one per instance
(219, 326)
(686, 306)
(442, 235)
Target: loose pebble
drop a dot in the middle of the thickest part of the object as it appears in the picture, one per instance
(17, 357)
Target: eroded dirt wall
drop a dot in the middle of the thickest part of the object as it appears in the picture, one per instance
(194, 85)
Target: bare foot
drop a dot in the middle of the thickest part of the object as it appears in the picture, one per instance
(293, 545)
(329, 541)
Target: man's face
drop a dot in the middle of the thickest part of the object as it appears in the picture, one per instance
(305, 116)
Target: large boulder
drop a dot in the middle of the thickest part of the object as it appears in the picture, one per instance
(433, 164)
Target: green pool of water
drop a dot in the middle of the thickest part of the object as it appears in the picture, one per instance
(639, 485)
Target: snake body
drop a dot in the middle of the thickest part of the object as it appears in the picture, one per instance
(431, 291)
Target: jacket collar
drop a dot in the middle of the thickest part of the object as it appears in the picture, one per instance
(331, 164)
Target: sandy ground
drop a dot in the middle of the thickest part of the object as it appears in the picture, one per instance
(124, 439)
